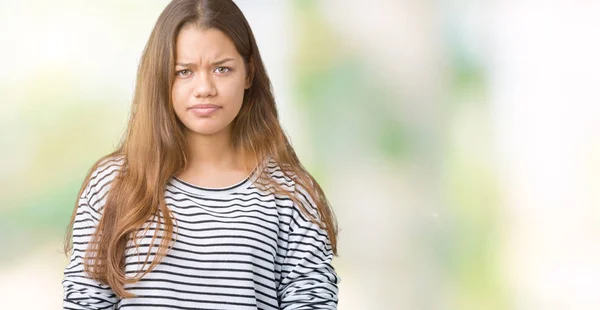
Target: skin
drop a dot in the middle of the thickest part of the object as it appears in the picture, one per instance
(209, 70)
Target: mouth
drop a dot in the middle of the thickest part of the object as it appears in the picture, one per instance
(204, 109)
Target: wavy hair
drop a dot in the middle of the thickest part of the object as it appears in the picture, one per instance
(153, 146)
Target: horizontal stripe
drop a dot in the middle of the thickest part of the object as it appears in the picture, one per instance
(236, 247)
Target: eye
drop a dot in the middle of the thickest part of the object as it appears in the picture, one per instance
(222, 70)
(183, 73)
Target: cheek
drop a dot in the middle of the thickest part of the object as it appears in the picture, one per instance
(233, 92)
(177, 95)
(179, 101)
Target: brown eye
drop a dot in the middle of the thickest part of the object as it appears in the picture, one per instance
(184, 72)
(222, 70)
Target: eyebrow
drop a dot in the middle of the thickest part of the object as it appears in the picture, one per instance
(216, 63)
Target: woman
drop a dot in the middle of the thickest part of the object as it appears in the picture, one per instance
(204, 205)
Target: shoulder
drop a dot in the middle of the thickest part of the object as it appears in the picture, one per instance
(276, 174)
(102, 175)
(290, 181)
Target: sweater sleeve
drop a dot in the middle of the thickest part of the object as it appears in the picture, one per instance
(308, 279)
(79, 290)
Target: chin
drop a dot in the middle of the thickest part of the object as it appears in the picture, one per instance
(205, 130)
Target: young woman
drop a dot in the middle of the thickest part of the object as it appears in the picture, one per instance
(204, 205)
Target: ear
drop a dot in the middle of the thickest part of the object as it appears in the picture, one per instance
(250, 73)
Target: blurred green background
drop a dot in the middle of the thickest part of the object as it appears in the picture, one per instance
(458, 141)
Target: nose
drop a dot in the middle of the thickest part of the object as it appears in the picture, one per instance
(204, 86)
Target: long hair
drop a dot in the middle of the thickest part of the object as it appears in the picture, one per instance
(153, 146)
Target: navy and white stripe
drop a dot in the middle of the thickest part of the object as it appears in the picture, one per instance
(236, 248)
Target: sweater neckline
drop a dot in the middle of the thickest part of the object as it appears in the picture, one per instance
(220, 191)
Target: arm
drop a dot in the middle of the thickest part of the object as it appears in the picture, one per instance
(308, 279)
(80, 291)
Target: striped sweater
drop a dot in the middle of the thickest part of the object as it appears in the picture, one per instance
(236, 248)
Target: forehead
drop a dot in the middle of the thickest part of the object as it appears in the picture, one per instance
(194, 43)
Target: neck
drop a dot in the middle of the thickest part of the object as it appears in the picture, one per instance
(214, 152)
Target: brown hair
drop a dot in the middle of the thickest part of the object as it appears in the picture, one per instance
(153, 147)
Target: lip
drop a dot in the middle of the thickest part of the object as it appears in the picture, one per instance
(204, 106)
(204, 109)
